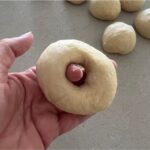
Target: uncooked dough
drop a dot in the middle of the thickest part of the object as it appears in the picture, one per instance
(105, 9)
(142, 23)
(132, 5)
(100, 85)
(119, 38)
(76, 2)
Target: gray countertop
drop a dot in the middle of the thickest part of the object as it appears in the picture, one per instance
(126, 124)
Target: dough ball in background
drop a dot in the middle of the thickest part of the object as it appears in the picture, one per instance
(119, 38)
(105, 9)
(132, 5)
(142, 23)
(99, 88)
(76, 2)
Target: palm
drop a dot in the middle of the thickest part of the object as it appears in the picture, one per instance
(28, 120)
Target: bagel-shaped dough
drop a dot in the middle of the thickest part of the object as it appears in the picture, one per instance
(76, 2)
(119, 38)
(132, 5)
(105, 9)
(142, 23)
(100, 85)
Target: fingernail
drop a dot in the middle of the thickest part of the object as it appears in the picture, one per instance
(114, 63)
(26, 34)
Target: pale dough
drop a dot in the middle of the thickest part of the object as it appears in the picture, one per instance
(100, 85)
(76, 2)
(142, 23)
(105, 9)
(119, 38)
(132, 5)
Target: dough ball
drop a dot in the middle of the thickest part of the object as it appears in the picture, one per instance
(105, 9)
(142, 23)
(119, 38)
(132, 5)
(94, 95)
(76, 2)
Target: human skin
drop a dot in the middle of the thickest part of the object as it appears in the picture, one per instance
(28, 121)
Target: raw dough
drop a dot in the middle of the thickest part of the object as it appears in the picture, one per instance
(132, 5)
(76, 2)
(100, 85)
(119, 38)
(105, 9)
(142, 23)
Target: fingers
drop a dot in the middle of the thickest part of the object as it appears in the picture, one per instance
(74, 72)
(114, 63)
(69, 121)
(10, 48)
(31, 73)
(19, 45)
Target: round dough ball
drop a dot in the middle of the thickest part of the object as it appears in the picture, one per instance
(132, 5)
(100, 84)
(76, 2)
(119, 38)
(105, 9)
(142, 23)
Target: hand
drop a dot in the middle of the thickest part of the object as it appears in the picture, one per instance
(27, 120)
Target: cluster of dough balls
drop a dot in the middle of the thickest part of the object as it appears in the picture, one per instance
(100, 85)
(120, 37)
(110, 9)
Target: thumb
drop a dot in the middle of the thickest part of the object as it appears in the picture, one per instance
(19, 45)
(10, 48)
